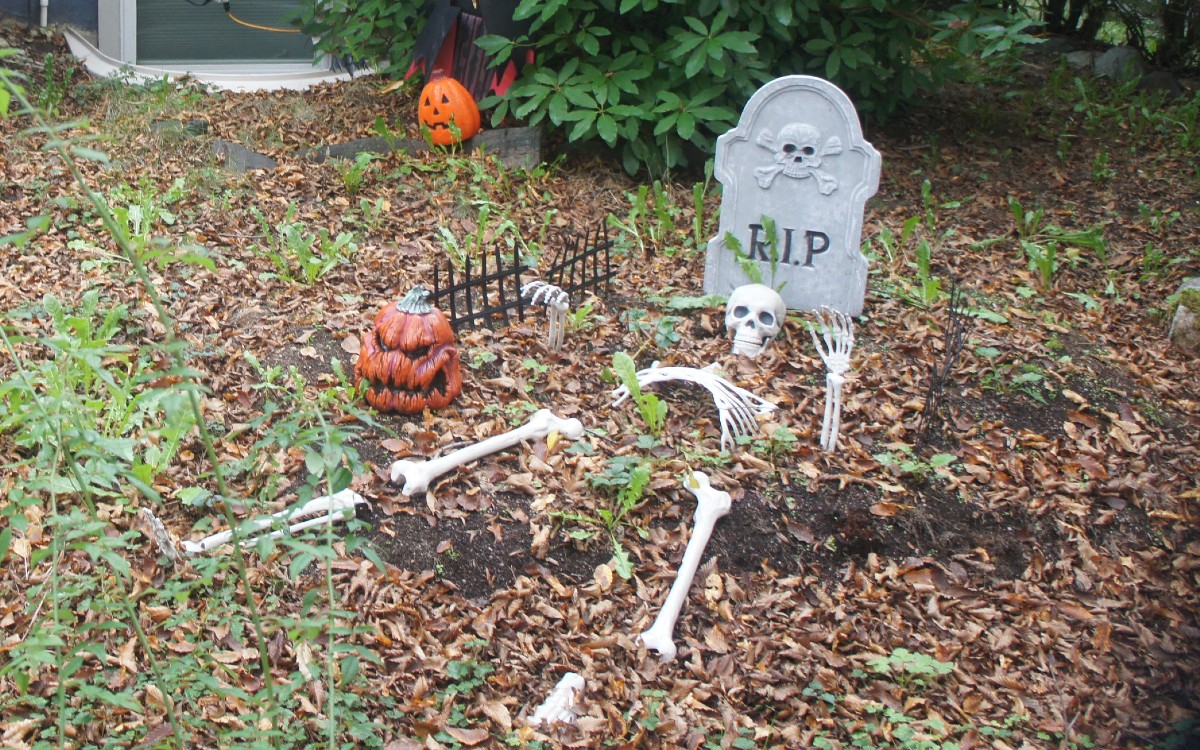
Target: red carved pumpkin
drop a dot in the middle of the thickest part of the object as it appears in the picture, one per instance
(409, 360)
(445, 100)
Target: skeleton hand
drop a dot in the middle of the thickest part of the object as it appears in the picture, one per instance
(539, 292)
(837, 330)
(555, 300)
(559, 706)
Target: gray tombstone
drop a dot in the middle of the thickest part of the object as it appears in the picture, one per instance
(798, 159)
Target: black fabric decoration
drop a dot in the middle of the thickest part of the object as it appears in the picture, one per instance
(448, 43)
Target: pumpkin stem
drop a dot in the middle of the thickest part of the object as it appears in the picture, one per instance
(416, 301)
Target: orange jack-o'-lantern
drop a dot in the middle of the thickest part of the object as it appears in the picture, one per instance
(443, 101)
(409, 360)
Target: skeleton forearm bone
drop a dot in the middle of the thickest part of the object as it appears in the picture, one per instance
(322, 510)
(418, 474)
(711, 504)
(837, 330)
(833, 411)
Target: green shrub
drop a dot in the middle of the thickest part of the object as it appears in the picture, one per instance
(1166, 32)
(658, 80)
(381, 32)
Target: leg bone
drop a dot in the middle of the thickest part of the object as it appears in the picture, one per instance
(711, 504)
(418, 474)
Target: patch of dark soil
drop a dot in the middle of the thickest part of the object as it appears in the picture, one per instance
(477, 552)
(464, 551)
(1111, 389)
(752, 535)
(310, 351)
(482, 549)
(1120, 526)
(1016, 410)
(832, 527)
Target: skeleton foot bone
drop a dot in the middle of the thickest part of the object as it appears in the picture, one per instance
(711, 504)
(316, 512)
(559, 706)
(418, 474)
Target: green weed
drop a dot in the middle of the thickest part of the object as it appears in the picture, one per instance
(1044, 245)
(1101, 172)
(57, 73)
(650, 225)
(100, 414)
(926, 288)
(781, 442)
(1013, 377)
(625, 480)
(909, 668)
(650, 408)
(301, 256)
(356, 171)
(908, 464)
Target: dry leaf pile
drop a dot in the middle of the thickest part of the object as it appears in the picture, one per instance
(1053, 561)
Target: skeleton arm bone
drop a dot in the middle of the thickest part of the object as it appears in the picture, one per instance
(318, 511)
(556, 302)
(838, 334)
(833, 410)
(557, 315)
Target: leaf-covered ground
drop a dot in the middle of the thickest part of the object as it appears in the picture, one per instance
(1053, 561)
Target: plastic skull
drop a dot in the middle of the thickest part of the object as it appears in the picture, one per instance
(754, 316)
(799, 149)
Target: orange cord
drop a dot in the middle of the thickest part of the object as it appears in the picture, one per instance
(235, 19)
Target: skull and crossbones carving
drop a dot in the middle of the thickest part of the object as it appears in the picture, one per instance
(798, 154)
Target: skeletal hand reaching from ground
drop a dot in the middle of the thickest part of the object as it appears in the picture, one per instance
(837, 330)
(556, 302)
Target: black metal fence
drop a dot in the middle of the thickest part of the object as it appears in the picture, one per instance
(487, 289)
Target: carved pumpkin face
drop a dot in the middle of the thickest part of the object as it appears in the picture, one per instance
(445, 100)
(409, 360)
